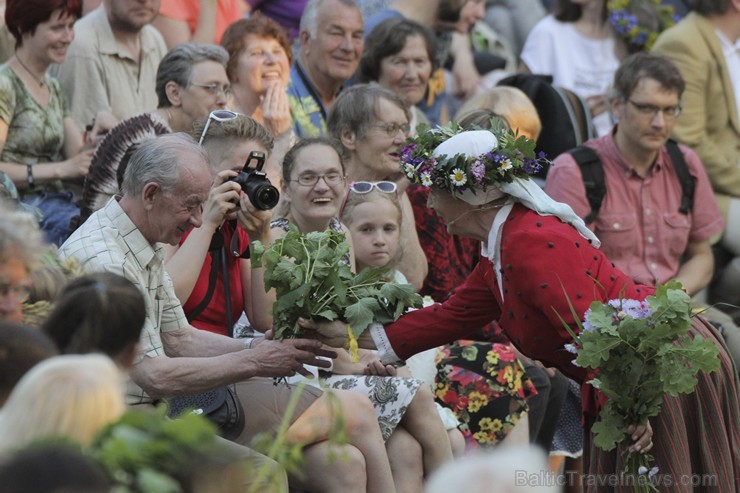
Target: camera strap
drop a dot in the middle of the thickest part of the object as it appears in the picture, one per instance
(235, 247)
(212, 278)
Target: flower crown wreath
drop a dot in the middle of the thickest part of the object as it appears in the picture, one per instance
(512, 158)
(627, 25)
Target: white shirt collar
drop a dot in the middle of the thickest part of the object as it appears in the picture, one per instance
(728, 48)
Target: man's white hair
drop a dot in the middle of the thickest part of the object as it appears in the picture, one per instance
(309, 19)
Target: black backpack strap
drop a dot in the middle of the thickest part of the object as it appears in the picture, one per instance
(593, 178)
(688, 182)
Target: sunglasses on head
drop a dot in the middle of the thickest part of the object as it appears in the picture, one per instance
(367, 186)
(219, 116)
(363, 187)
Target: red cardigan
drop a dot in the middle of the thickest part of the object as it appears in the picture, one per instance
(545, 262)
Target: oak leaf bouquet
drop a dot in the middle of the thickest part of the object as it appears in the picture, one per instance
(638, 351)
(313, 280)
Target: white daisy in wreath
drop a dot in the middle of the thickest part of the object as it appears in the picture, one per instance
(458, 177)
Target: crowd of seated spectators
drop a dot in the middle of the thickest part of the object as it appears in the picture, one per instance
(126, 283)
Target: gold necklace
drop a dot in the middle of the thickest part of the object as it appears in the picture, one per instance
(35, 77)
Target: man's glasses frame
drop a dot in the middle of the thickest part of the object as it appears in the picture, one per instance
(669, 112)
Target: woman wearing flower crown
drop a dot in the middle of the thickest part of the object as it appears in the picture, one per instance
(540, 263)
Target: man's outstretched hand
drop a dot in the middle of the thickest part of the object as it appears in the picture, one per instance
(286, 358)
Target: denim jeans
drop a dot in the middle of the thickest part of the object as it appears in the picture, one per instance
(58, 208)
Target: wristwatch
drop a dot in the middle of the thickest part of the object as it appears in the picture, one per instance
(29, 178)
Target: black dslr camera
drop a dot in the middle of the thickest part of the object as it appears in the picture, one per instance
(255, 184)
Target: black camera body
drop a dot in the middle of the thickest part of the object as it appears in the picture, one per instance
(254, 182)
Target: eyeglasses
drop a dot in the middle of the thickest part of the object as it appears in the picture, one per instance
(669, 112)
(363, 187)
(219, 116)
(367, 186)
(392, 129)
(215, 89)
(22, 292)
(311, 180)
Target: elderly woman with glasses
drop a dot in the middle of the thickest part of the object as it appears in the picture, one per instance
(223, 286)
(372, 123)
(540, 269)
(314, 186)
(191, 82)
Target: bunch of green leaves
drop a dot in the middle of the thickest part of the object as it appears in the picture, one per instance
(312, 280)
(148, 453)
(639, 351)
(638, 355)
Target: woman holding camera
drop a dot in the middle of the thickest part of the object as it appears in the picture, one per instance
(215, 295)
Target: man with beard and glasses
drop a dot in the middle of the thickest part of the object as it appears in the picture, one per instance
(112, 63)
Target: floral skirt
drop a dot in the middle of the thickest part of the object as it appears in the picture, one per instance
(390, 396)
(485, 386)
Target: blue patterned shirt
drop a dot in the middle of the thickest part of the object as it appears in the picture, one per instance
(306, 108)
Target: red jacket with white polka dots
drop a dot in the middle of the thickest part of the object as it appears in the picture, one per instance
(545, 263)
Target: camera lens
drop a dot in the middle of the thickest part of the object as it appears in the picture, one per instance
(264, 197)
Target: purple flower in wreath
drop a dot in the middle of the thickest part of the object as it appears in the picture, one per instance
(407, 151)
(478, 170)
(531, 166)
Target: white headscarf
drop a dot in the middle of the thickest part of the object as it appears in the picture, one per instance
(475, 143)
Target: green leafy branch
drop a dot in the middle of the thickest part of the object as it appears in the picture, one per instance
(637, 358)
(312, 279)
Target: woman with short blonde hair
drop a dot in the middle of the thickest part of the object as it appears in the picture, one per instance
(68, 396)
